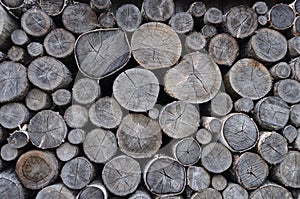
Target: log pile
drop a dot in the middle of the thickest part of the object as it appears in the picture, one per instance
(146, 99)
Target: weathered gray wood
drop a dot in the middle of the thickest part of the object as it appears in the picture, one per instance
(262, 20)
(77, 173)
(100, 5)
(296, 26)
(36, 22)
(169, 197)
(85, 91)
(207, 193)
(213, 15)
(37, 99)
(79, 18)
(12, 4)
(59, 43)
(121, 175)
(18, 139)
(239, 132)
(76, 136)
(155, 45)
(106, 113)
(13, 81)
(94, 190)
(182, 22)
(295, 66)
(139, 136)
(290, 133)
(271, 190)
(157, 10)
(2, 56)
(223, 49)
(67, 151)
(213, 124)
(8, 25)
(220, 105)
(294, 46)
(272, 147)
(234, 191)
(297, 141)
(196, 79)
(187, 151)
(8, 153)
(209, 30)
(101, 52)
(281, 70)
(216, 151)
(47, 129)
(61, 97)
(197, 9)
(288, 172)
(153, 113)
(219, 182)
(241, 21)
(244, 104)
(48, 73)
(19, 37)
(128, 17)
(140, 195)
(76, 116)
(281, 16)
(288, 90)
(294, 115)
(267, 45)
(203, 136)
(248, 78)
(10, 186)
(35, 49)
(136, 89)
(195, 42)
(296, 6)
(13, 114)
(53, 7)
(179, 119)
(165, 176)
(37, 169)
(107, 20)
(197, 178)
(55, 191)
(100, 145)
(271, 113)
(260, 7)
(250, 170)
(18, 54)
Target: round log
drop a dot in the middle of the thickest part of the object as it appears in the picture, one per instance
(37, 99)
(290, 133)
(67, 151)
(100, 5)
(219, 182)
(155, 45)
(139, 136)
(13, 115)
(179, 119)
(281, 70)
(271, 190)
(76, 136)
(182, 22)
(203, 136)
(234, 191)
(17, 54)
(76, 116)
(61, 97)
(281, 16)
(153, 113)
(294, 46)
(213, 15)
(296, 26)
(294, 115)
(195, 42)
(140, 195)
(288, 90)
(8, 153)
(94, 190)
(244, 104)
(187, 151)
(209, 30)
(37, 169)
(197, 178)
(10, 186)
(212, 124)
(85, 91)
(18, 139)
(220, 105)
(158, 10)
(47, 129)
(107, 20)
(19, 37)
(128, 17)
(197, 9)
(196, 79)
(55, 191)
(207, 194)
(136, 89)
(262, 20)
(260, 7)
(53, 7)
(35, 49)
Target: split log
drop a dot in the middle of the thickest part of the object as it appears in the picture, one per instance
(294, 115)
(271, 113)
(13, 81)
(35, 49)
(121, 175)
(288, 172)
(100, 5)
(106, 113)
(262, 20)
(13, 114)
(195, 42)
(271, 190)
(220, 105)
(158, 10)
(10, 186)
(294, 46)
(106, 20)
(248, 78)
(219, 182)
(197, 9)
(36, 22)
(296, 27)
(281, 16)
(94, 190)
(18, 139)
(179, 119)
(213, 15)
(197, 178)
(136, 89)
(8, 25)
(207, 194)
(203, 136)
(102, 52)
(8, 153)
(77, 173)
(18, 54)
(290, 133)
(165, 176)
(67, 151)
(19, 37)
(223, 49)
(59, 43)
(241, 21)
(234, 191)
(79, 18)
(140, 195)
(272, 147)
(128, 17)
(47, 129)
(37, 169)
(76, 136)
(216, 151)
(182, 22)
(55, 191)
(37, 99)
(209, 30)
(187, 151)
(196, 79)
(260, 7)
(53, 7)
(244, 104)
(153, 113)
(100, 145)
(76, 116)
(213, 124)
(288, 90)
(281, 70)
(48, 73)
(139, 136)
(295, 66)
(85, 91)
(61, 97)
(156, 45)
(267, 45)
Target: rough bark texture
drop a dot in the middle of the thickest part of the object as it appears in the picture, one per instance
(128, 17)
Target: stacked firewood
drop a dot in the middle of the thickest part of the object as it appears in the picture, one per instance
(148, 99)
